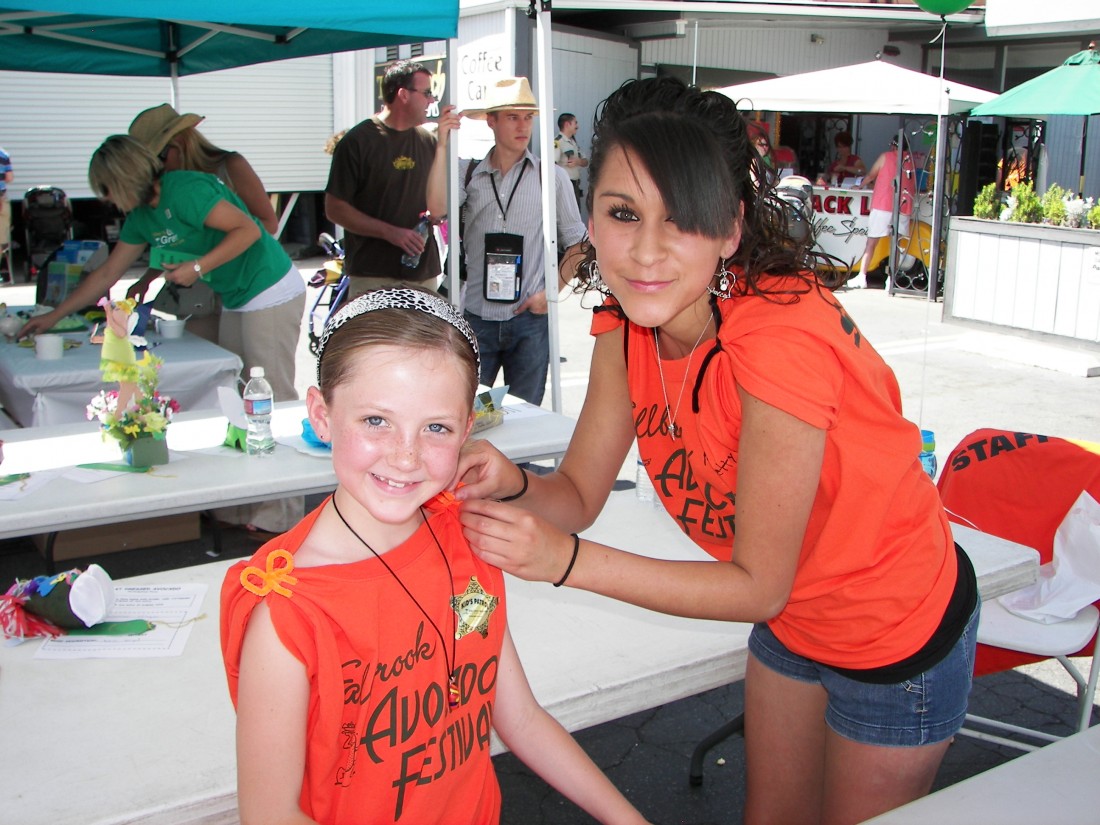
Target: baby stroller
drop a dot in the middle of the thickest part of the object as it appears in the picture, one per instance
(795, 196)
(333, 285)
(49, 220)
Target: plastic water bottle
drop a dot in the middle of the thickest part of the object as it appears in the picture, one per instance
(643, 486)
(423, 227)
(928, 452)
(258, 403)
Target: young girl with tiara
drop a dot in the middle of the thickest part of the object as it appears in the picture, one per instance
(366, 649)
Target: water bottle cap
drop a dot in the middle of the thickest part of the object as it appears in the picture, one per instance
(256, 372)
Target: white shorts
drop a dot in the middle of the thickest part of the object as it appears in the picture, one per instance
(881, 222)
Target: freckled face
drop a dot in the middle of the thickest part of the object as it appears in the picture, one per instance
(657, 272)
(396, 429)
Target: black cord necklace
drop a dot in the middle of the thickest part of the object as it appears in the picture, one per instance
(452, 683)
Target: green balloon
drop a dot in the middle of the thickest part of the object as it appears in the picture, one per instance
(943, 7)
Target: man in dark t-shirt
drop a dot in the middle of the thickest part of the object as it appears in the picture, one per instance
(377, 185)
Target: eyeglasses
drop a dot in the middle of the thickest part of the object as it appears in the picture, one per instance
(163, 156)
(427, 94)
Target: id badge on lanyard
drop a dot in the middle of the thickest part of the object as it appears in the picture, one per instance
(503, 267)
(503, 281)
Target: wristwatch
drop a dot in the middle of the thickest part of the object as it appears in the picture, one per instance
(197, 268)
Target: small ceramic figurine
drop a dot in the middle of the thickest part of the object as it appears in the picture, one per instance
(9, 324)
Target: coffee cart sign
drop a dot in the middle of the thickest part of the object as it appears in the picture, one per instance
(481, 62)
(840, 221)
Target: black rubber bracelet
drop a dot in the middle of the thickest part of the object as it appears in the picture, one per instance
(572, 561)
(522, 492)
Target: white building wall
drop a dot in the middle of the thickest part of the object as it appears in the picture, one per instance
(783, 51)
(52, 123)
(278, 115)
(586, 70)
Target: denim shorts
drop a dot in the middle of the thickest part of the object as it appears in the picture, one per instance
(926, 709)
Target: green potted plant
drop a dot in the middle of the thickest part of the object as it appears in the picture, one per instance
(988, 203)
(1026, 206)
(1054, 205)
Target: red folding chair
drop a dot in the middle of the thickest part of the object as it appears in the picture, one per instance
(1020, 486)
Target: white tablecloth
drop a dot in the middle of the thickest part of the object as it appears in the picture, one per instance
(39, 393)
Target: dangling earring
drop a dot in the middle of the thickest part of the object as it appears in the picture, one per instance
(595, 279)
(726, 280)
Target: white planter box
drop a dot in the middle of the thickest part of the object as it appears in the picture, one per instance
(1043, 279)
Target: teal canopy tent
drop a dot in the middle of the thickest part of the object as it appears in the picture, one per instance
(174, 38)
(1070, 89)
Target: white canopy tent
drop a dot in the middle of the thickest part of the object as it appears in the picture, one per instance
(874, 87)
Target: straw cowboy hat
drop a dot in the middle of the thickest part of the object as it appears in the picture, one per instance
(511, 93)
(155, 127)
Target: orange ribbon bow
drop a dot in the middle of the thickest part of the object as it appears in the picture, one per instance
(273, 579)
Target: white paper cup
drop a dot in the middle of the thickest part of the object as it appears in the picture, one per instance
(48, 347)
(170, 327)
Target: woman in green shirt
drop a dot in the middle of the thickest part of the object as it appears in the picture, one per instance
(198, 218)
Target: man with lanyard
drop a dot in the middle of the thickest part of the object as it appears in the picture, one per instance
(567, 152)
(506, 302)
(376, 186)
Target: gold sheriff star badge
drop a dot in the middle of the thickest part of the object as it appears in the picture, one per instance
(474, 607)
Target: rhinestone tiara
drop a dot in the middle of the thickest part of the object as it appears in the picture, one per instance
(397, 298)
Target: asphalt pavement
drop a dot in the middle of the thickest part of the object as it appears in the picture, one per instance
(954, 379)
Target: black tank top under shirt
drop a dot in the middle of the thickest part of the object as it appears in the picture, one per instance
(964, 598)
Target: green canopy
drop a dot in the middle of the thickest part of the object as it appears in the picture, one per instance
(163, 38)
(1070, 89)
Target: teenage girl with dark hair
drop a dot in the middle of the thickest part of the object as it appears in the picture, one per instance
(759, 410)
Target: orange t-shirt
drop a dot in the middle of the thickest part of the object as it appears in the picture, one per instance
(877, 565)
(383, 745)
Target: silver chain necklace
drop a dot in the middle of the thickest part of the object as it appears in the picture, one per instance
(675, 431)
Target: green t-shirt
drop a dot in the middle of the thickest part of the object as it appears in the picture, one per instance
(176, 223)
